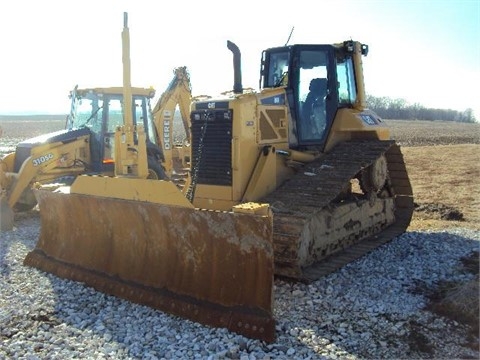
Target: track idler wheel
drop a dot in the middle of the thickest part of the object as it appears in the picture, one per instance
(374, 177)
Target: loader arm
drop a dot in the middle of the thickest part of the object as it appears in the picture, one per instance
(46, 164)
(178, 92)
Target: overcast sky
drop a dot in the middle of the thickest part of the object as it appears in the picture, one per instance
(421, 51)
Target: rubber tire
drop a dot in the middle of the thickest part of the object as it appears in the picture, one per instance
(155, 170)
(26, 202)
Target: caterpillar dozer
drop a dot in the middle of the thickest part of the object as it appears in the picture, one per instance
(294, 180)
(87, 143)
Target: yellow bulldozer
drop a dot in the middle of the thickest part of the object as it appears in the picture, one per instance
(294, 180)
(86, 145)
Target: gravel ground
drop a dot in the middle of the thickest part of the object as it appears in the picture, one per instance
(370, 309)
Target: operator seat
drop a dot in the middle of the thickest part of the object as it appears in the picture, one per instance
(313, 111)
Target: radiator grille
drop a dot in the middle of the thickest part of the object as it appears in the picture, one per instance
(212, 146)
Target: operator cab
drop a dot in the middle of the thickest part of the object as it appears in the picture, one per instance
(101, 111)
(318, 80)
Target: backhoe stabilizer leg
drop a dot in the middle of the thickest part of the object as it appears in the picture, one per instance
(6, 215)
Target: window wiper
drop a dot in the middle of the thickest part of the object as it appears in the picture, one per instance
(92, 116)
(280, 81)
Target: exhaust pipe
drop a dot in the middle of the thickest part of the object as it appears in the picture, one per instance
(237, 70)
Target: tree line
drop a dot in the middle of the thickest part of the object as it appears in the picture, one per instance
(388, 108)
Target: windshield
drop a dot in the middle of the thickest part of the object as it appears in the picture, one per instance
(88, 111)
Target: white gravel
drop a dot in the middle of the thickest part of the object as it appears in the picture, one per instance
(369, 309)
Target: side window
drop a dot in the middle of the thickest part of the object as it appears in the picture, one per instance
(278, 69)
(143, 117)
(115, 115)
(346, 82)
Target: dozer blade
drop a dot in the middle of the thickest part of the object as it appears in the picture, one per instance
(215, 268)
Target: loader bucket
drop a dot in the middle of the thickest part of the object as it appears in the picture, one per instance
(215, 268)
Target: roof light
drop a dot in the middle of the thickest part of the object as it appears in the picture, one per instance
(364, 49)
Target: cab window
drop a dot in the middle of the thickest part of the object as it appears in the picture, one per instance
(312, 94)
(89, 112)
(278, 69)
(346, 82)
(143, 116)
(115, 115)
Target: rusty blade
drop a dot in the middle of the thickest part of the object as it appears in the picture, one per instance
(215, 268)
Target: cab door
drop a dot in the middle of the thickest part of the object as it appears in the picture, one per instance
(308, 73)
(314, 93)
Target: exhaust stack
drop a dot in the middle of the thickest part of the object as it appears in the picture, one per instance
(237, 70)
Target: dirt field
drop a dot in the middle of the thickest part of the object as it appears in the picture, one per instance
(443, 160)
(423, 133)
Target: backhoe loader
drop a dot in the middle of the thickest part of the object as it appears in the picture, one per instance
(86, 146)
(294, 180)
(176, 144)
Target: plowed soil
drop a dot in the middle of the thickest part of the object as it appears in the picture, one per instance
(443, 162)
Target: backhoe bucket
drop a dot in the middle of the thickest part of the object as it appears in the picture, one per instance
(215, 268)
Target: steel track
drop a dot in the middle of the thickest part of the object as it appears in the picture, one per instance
(318, 186)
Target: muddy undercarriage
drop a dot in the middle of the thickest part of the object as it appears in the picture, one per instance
(329, 214)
